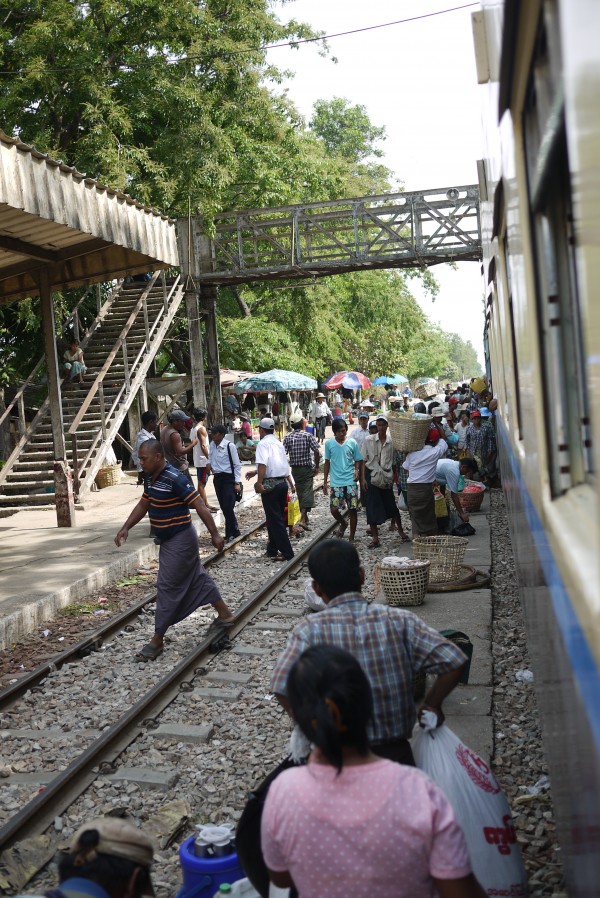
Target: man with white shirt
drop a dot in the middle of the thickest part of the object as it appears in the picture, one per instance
(199, 438)
(274, 477)
(421, 466)
(319, 413)
(146, 432)
(226, 468)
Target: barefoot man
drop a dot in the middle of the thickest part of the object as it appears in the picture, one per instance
(183, 585)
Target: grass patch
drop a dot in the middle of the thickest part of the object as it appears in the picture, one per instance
(85, 608)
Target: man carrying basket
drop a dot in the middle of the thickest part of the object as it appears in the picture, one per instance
(421, 466)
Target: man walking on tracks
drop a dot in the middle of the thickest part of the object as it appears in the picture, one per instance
(303, 452)
(183, 585)
(390, 644)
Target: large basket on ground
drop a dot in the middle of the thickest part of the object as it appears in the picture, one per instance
(445, 553)
(404, 586)
(472, 501)
(408, 434)
(109, 475)
(426, 390)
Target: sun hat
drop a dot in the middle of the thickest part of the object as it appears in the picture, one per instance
(320, 396)
(485, 413)
(267, 424)
(117, 838)
(296, 417)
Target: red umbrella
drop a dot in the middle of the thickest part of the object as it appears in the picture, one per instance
(351, 380)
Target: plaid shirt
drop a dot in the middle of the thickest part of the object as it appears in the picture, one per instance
(390, 644)
(399, 459)
(300, 447)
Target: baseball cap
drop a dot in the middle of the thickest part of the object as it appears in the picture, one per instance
(432, 435)
(372, 424)
(118, 838)
(267, 424)
(437, 412)
(177, 415)
(296, 417)
(476, 414)
(381, 418)
(363, 414)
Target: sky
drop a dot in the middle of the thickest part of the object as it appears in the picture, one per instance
(418, 80)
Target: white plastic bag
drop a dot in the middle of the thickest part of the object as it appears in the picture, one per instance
(314, 602)
(480, 806)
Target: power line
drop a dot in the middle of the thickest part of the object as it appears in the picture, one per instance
(290, 43)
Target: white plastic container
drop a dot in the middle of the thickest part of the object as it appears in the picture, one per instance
(243, 888)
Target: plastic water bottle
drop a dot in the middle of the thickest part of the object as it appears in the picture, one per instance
(243, 888)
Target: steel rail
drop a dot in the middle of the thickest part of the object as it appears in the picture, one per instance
(38, 814)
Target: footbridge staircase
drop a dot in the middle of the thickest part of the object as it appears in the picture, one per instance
(119, 347)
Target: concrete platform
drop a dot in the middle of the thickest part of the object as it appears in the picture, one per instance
(44, 568)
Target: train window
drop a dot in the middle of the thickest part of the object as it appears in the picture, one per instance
(513, 337)
(565, 394)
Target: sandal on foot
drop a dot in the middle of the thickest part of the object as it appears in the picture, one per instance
(340, 530)
(374, 545)
(223, 623)
(149, 653)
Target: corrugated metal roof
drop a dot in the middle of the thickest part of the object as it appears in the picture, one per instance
(53, 216)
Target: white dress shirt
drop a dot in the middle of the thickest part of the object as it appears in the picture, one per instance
(320, 410)
(218, 459)
(421, 464)
(359, 436)
(270, 452)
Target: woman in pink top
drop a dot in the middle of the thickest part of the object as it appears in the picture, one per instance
(350, 824)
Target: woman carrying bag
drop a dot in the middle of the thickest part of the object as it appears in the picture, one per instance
(377, 482)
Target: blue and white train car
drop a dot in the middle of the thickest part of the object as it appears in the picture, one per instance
(538, 63)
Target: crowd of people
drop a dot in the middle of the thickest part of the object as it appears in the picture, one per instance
(360, 472)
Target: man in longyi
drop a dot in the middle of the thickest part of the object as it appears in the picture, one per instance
(183, 585)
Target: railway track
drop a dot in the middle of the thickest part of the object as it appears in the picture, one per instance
(103, 754)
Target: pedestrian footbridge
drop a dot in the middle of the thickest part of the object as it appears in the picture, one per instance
(400, 230)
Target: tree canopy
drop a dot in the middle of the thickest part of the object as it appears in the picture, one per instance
(175, 103)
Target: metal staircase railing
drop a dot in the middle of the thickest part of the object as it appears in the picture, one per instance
(134, 375)
(19, 402)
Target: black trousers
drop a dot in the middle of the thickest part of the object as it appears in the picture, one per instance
(274, 503)
(225, 490)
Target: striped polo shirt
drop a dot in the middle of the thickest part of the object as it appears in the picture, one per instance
(170, 497)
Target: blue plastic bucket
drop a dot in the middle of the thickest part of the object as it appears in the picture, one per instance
(202, 876)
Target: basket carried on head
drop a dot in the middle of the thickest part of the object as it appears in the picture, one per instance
(445, 553)
(109, 475)
(404, 586)
(426, 390)
(408, 434)
(472, 501)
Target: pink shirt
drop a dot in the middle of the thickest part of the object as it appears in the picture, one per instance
(379, 828)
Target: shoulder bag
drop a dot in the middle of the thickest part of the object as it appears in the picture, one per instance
(238, 496)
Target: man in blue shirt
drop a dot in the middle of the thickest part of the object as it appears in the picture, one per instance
(449, 473)
(342, 459)
(183, 585)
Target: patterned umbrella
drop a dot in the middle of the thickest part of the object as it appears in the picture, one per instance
(351, 380)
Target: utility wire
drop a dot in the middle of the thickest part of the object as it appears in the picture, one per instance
(290, 43)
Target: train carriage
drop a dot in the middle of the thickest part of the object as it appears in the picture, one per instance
(538, 63)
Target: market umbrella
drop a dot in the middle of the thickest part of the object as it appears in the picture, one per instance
(389, 379)
(351, 380)
(276, 380)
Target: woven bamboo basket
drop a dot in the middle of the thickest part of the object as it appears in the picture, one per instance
(426, 390)
(408, 434)
(472, 501)
(108, 476)
(445, 553)
(404, 586)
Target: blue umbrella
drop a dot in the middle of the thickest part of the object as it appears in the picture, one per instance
(276, 380)
(390, 379)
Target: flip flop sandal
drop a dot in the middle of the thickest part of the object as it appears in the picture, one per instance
(374, 546)
(149, 653)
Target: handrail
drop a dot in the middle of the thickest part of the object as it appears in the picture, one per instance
(132, 369)
(110, 357)
(89, 333)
